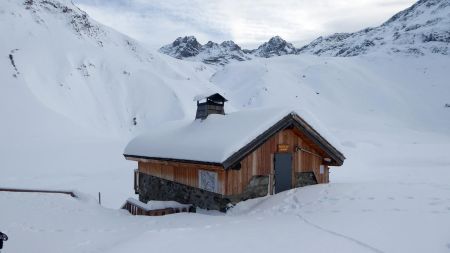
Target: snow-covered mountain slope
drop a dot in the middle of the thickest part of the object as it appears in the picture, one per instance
(226, 52)
(423, 28)
(90, 73)
(73, 91)
(41, 148)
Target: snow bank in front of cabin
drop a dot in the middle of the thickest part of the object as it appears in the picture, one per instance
(352, 217)
(217, 137)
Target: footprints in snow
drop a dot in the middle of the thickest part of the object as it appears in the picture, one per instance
(405, 203)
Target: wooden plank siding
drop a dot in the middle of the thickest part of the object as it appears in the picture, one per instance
(259, 162)
(183, 173)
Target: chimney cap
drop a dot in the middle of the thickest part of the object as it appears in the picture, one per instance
(210, 104)
(216, 97)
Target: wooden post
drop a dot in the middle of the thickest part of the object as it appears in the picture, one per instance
(99, 198)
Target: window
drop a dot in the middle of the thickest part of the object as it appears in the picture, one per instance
(207, 180)
(322, 169)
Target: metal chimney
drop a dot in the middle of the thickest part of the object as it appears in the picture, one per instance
(210, 104)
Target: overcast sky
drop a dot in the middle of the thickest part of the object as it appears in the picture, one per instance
(246, 22)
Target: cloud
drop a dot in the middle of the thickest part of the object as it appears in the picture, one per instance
(247, 22)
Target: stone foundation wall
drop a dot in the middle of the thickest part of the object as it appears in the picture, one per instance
(155, 188)
(257, 187)
(304, 179)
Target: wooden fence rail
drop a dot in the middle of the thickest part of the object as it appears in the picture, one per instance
(37, 191)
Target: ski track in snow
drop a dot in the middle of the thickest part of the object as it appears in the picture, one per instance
(321, 228)
(363, 244)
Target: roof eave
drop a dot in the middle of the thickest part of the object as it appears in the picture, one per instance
(143, 158)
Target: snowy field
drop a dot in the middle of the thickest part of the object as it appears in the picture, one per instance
(68, 107)
(370, 217)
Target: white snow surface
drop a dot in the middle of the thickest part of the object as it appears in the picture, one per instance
(378, 217)
(387, 111)
(215, 138)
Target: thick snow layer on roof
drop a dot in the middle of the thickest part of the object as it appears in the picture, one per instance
(214, 139)
(204, 95)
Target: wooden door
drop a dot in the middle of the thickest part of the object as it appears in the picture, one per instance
(283, 171)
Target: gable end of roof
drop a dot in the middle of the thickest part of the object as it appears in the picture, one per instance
(292, 119)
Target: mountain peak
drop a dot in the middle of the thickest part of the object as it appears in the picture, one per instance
(186, 39)
(211, 44)
(65, 9)
(182, 47)
(230, 45)
(276, 46)
(276, 40)
(417, 30)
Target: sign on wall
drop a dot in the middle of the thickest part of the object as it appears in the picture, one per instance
(283, 147)
(207, 180)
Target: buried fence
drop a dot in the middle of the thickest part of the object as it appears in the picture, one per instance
(135, 207)
(72, 194)
(156, 208)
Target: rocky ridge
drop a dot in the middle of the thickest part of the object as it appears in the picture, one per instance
(220, 54)
(423, 28)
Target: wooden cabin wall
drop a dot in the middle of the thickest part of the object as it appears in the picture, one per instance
(260, 161)
(183, 173)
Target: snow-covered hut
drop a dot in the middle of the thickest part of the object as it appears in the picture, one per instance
(220, 159)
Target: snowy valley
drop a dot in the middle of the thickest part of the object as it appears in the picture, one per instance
(74, 92)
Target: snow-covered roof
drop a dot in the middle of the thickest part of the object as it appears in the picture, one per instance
(215, 139)
(207, 95)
